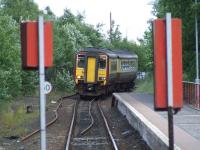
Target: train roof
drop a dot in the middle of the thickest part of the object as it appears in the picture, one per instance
(112, 53)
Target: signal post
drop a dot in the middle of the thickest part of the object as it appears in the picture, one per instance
(168, 90)
(37, 50)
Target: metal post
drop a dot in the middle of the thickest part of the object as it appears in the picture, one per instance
(169, 80)
(170, 128)
(169, 59)
(42, 80)
(197, 59)
(197, 48)
(110, 27)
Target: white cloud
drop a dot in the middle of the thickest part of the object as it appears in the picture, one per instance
(131, 15)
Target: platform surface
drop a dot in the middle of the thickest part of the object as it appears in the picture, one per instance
(187, 121)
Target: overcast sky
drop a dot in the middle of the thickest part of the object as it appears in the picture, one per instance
(131, 15)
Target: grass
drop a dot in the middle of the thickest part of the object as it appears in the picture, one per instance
(13, 121)
(146, 85)
(3, 106)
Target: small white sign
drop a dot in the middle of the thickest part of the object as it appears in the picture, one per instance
(47, 87)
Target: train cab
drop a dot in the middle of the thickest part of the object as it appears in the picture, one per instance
(90, 73)
(100, 71)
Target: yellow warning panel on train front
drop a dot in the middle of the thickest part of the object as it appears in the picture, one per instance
(91, 69)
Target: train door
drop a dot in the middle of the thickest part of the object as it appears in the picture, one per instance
(91, 69)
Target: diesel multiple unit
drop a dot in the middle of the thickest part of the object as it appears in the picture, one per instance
(100, 71)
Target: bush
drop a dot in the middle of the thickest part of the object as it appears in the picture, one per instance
(146, 85)
(64, 81)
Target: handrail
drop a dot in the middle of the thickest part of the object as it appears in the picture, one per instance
(190, 82)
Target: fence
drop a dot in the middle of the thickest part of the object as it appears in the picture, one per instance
(141, 75)
(191, 93)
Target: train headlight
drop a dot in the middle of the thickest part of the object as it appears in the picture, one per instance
(79, 77)
(102, 78)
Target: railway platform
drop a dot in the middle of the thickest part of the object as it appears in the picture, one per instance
(153, 125)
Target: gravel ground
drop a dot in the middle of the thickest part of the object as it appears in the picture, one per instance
(127, 138)
(96, 138)
(55, 133)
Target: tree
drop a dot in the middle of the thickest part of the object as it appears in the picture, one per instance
(146, 45)
(10, 73)
(49, 15)
(114, 33)
(68, 40)
(184, 10)
(20, 9)
(15, 80)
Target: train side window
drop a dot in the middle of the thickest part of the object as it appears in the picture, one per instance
(121, 66)
(81, 61)
(133, 64)
(102, 63)
(113, 66)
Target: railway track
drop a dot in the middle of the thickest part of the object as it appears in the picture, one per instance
(85, 116)
(50, 122)
(89, 128)
(81, 124)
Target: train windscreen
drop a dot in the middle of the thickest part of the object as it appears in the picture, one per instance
(81, 61)
(102, 62)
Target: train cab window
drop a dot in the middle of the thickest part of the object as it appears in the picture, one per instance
(102, 62)
(81, 61)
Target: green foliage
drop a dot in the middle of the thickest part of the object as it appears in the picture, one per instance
(49, 14)
(13, 80)
(65, 49)
(106, 44)
(147, 48)
(9, 58)
(146, 85)
(186, 11)
(71, 34)
(64, 80)
(20, 9)
(114, 33)
(30, 82)
(94, 37)
(12, 121)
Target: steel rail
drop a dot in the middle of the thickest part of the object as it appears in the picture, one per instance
(51, 122)
(71, 127)
(91, 117)
(108, 128)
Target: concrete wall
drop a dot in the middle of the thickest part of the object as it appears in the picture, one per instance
(154, 142)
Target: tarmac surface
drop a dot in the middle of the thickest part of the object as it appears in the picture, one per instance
(138, 108)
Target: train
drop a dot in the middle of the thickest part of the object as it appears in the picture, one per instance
(102, 71)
